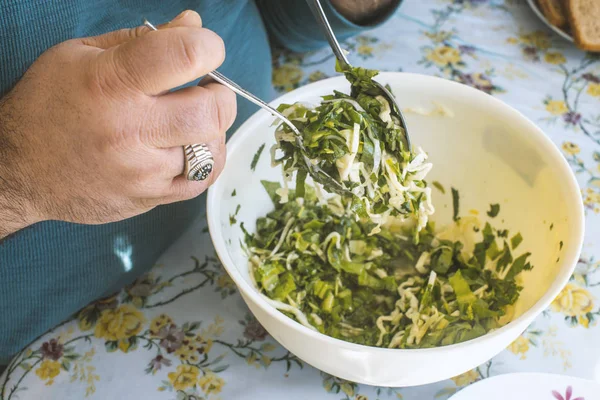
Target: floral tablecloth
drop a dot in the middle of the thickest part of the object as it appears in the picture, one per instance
(183, 332)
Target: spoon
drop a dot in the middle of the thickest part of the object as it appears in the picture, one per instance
(317, 10)
(315, 171)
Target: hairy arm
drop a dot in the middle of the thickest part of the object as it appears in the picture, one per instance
(15, 213)
(91, 135)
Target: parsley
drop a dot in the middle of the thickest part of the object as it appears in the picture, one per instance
(439, 186)
(455, 204)
(309, 255)
(232, 219)
(494, 210)
(519, 265)
(516, 240)
(233, 194)
(359, 142)
(257, 157)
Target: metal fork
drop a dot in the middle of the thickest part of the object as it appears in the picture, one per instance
(317, 10)
(315, 171)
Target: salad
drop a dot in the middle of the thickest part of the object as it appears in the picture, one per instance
(357, 141)
(319, 265)
(370, 268)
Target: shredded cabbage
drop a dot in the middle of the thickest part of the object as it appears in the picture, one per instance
(357, 142)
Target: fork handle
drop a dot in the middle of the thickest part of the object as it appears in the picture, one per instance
(222, 79)
(319, 13)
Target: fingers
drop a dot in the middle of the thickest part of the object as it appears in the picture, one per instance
(186, 18)
(114, 38)
(177, 187)
(182, 189)
(172, 163)
(192, 115)
(159, 61)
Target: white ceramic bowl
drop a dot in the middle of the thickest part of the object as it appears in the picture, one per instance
(488, 151)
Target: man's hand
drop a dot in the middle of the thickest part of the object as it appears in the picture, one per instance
(91, 134)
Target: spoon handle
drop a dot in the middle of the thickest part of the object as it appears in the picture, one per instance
(317, 10)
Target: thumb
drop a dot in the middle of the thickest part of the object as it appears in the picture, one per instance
(187, 18)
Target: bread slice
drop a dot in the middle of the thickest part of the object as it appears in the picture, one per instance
(554, 11)
(584, 18)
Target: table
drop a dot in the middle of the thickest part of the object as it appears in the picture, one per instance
(141, 342)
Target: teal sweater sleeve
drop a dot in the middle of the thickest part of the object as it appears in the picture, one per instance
(291, 24)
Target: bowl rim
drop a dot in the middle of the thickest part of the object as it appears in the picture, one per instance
(570, 256)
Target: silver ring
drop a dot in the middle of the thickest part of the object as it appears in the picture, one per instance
(199, 162)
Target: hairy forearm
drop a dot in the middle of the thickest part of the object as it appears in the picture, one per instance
(13, 217)
(14, 212)
(363, 11)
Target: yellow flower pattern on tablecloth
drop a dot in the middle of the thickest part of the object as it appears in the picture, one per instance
(159, 322)
(556, 107)
(185, 376)
(443, 56)
(571, 148)
(520, 347)
(553, 57)
(182, 332)
(538, 39)
(193, 348)
(575, 302)
(594, 89)
(48, 370)
(287, 76)
(467, 378)
(211, 383)
(120, 325)
(591, 199)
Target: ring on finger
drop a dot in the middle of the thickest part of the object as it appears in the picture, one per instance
(199, 162)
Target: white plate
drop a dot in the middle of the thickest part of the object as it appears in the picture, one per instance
(531, 386)
(538, 12)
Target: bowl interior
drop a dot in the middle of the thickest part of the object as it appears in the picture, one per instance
(485, 150)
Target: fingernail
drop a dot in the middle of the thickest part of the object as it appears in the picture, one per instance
(182, 15)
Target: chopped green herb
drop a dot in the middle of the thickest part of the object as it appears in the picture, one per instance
(439, 186)
(232, 219)
(455, 204)
(271, 188)
(503, 233)
(518, 265)
(494, 210)
(561, 245)
(257, 157)
(551, 226)
(233, 194)
(358, 141)
(323, 267)
(516, 240)
(338, 267)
